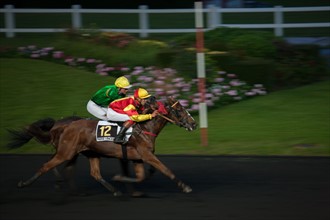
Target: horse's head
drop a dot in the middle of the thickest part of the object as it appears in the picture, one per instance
(179, 115)
(151, 105)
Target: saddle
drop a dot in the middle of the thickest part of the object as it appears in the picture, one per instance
(108, 130)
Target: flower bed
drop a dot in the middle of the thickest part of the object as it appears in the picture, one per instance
(223, 89)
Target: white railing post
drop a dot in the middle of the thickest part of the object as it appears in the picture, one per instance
(213, 18)
(76, 17)
(9, 21)
(278, 21)
(144, 21)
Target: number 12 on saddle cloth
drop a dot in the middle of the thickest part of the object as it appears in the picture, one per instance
(107, 131)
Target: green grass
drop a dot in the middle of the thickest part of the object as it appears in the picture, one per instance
(289, 122)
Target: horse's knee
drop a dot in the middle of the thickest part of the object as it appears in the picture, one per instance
(140, 175)
(95, 168)
(139, 172)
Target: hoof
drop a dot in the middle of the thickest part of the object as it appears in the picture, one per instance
(187, 189)
(20, 184)
(117, 178)
(138, 194)
(117, 194)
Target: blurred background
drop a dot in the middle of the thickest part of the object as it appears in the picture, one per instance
(267, 88)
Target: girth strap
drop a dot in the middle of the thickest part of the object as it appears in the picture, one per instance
(124, 151)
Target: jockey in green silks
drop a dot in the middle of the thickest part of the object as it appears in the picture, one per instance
(98, 104)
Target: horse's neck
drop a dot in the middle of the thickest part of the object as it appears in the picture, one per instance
(154, 125)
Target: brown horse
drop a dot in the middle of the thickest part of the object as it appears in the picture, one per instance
(40, 131)
(79, 137)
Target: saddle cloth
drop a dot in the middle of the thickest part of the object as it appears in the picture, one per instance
(107, 131)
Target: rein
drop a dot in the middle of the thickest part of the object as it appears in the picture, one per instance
(163, 116)
(175, 104)
(168, 119)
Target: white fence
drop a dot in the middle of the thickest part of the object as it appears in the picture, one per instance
(214, 19)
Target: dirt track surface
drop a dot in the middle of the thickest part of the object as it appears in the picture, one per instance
(238, 188)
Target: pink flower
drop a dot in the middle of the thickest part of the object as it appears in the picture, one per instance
(232, 92)
(124, 69)
(235, 83)
(90, 61)
(103, 73)
(58, 54)
(100, 66)
(137, 72)
(35, 55)
(194, 107)
(159, 82)
(250, 93)
(219, 80)
(209, 103)
(196, 100)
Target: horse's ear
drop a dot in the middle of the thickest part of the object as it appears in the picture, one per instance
(171, 98)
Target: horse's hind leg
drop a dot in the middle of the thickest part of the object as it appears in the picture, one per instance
(55, 161)
(66, 175)
(95, 172)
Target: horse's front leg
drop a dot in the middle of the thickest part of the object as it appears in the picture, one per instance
(94, 163)
(151, 159)
(139, 173)
(126, 174)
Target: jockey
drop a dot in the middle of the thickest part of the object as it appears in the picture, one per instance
(98, 104)
(126, 109)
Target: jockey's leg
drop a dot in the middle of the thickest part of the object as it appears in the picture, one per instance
(120, 138)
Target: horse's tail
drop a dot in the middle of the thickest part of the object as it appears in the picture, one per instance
(38, 130)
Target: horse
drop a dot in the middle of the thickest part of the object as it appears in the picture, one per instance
(79, 136)
(40, 131)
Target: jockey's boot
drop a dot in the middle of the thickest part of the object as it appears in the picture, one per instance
(120, 138)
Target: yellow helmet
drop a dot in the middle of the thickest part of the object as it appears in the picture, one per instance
(122, 82)
(141, 93)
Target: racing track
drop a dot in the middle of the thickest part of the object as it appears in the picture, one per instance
(233, 188)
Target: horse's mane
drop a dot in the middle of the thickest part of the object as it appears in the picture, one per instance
(161, 107)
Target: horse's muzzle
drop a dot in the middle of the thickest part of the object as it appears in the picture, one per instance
(191, 126)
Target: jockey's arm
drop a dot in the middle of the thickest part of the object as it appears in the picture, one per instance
(131, 111)
(142, 117)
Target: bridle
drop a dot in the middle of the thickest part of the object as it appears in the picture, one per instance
(174, 111)
(171, 109)
(168, 119)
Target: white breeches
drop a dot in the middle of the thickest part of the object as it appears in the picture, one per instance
(115, 116)
(97, 110)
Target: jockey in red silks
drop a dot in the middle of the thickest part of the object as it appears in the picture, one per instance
(126, 109)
